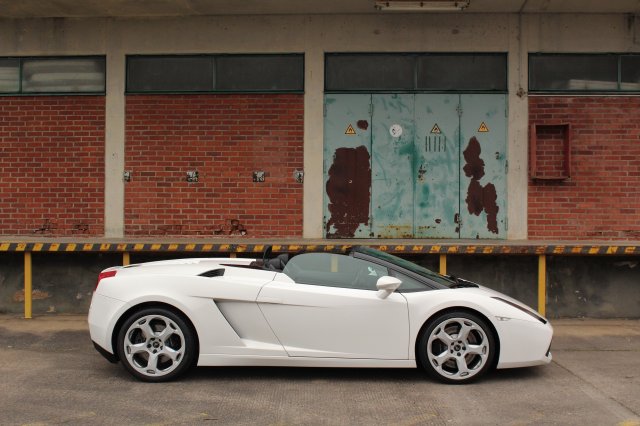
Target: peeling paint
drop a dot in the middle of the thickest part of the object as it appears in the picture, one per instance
(36, 294)
(479, 198)
(349, 191)
(362, 124)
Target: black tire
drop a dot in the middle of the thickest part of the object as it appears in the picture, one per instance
(450, 357)
(156, 345)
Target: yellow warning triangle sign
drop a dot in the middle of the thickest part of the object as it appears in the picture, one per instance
(436, 130)
(350, 130)
(483, 128)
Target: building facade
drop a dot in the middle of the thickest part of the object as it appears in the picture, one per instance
(497, 122)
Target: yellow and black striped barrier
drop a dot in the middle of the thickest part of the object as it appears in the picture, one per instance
(539, 249)
(488, 248)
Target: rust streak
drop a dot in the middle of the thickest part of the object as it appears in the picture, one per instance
(480, 198)
(349, 191)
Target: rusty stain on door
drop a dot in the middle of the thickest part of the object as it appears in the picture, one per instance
(348, 189)
(479, 197)
(347, 166)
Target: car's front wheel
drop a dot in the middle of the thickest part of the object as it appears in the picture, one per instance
(456, 347)
(156, 345)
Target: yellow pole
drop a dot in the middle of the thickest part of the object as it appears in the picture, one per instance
(443, 264)
(126, 259)
(28, 285)
(542, 284)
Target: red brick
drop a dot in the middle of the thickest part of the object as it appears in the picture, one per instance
(52, 162)
(226, 138)
(597, 202)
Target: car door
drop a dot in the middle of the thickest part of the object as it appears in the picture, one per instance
(327, 305)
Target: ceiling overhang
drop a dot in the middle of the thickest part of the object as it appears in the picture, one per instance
(178, 8)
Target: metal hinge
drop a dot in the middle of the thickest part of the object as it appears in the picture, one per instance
(371, 109)
(506, 166)
(506, 223)
(459, 110)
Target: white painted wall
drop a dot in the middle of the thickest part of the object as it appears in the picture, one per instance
(314, 35)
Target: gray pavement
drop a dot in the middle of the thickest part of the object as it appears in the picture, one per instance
(50, 374)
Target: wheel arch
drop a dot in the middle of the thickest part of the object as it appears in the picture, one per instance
(145, 305)
(450, 309)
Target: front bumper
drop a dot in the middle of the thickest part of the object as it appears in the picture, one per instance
(524, 343)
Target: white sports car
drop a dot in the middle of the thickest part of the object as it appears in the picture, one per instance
(362, 309)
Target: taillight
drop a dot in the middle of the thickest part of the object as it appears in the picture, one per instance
(105, 274)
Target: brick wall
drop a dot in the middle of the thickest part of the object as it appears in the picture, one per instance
(225, 138)
(52, 165)
(601, 200)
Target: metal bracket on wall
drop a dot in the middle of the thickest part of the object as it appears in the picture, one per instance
(192, 176)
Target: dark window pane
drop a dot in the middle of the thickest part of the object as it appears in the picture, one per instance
(573, 72)
(370, 72)
(462, 72)
(9, 75)
(65, 75)
(169, 73)
(260, 72)
(630, 65)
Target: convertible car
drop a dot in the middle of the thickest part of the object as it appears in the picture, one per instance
(365, 308)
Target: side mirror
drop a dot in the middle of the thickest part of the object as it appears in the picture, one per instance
(387, 285)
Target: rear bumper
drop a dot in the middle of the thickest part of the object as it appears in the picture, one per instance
(106, 354)
(103, 315)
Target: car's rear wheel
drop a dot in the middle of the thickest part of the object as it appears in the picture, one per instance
(456, 347)
(156, 345)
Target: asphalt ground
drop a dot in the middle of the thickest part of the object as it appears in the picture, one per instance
(50, 374)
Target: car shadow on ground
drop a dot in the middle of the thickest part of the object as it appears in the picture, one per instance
(343, 374)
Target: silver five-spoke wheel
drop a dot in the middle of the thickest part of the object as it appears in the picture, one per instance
(155, 345)
(456, 347)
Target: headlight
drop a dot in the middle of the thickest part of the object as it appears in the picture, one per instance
(527, 311)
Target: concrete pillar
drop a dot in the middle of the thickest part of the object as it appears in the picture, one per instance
(517, 175)
(313, 142)
(114, 135)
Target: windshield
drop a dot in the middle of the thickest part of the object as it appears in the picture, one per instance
(405, 264)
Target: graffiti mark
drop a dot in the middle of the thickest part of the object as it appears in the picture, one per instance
(421, 172)
(362, 124)
(349, 191)
(36, 294)
(237, 228)
(47, 226)
(80, 227)
(480, 198)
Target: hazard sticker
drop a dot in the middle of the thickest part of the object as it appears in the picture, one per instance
(350, 131)
(436, 130)
(483, 128)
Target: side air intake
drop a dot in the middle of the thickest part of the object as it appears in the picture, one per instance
(213, 273)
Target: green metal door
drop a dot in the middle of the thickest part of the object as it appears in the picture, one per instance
(483, 166)
(436, 166)
(347, 166)
(415, 166)
(392, 171)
